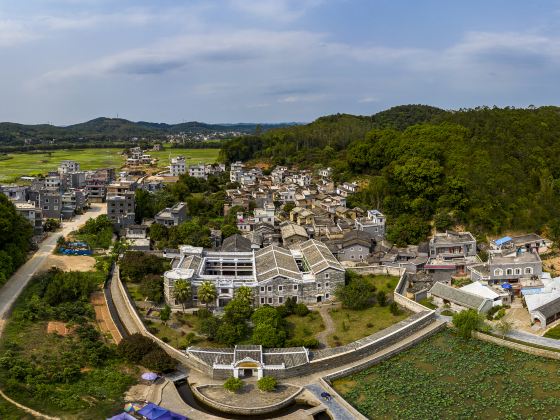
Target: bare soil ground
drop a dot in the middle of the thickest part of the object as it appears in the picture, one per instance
(58, 328)
(70, 262)
(552, 265)
(103, 318)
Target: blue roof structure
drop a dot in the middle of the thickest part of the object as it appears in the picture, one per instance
(502, 241)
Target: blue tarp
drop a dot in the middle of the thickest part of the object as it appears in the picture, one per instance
(532, 291)
(154, 412)
(506, 286)
(502, 241)
(122, 416)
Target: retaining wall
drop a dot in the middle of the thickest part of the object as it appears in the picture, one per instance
(377, 269)
(402, 300)
(244, 411)
(517, 346)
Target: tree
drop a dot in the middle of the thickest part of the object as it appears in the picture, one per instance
(134, 347)
(467, 321)
(207, 293)
(182, 292)
(288, 207)
(267, 383)
(407, 229)
(165, 313)
(158, 361)
(245, 294)
(51, 225)
(269, 335)
(209, 327)
(152, 287)
(357, 294)
(239, 309)
(229, 230)
(394, 308)
(504, 327)
(233, 384)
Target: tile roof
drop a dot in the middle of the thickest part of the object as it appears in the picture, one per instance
(274, 261)
(318, 256)
(458, 296)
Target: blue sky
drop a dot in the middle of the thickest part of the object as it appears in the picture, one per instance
(67, 61)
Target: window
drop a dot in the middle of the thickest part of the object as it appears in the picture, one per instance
(318, 285)
(262, 301)
(295, 286)
(327, 284)
(498, 272)
(326, 296)
(270, 300)
(327, 275)
(280, 299)
(280, 288)
(518, 271)
(528, 270)
(509, 271)
(295, 298)
(224, 290)
(262, 288)
(195, 297)
(269, 288)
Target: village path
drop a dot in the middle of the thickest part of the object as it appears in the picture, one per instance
(330, 328)
(15, 285)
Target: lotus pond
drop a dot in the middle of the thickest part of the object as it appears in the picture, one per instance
(446, 376)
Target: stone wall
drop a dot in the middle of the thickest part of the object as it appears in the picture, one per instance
(517, 346)
(400, 297)
(378, 269)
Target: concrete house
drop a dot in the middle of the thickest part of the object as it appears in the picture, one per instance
(355, 246)
(120, 209)
(50, 203)
(373, 223)
(32, 214)
(173, 216)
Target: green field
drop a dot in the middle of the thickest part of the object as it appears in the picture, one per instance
(447, 377)
(14, 165)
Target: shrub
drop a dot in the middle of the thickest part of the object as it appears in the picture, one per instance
(267, 383)
(369, 325)
(203, 313)
(500, 314)
(394, 308)
(381, 298)
(357, 294)
(233, 384)
(492, 311)
(134, 347)
(158, 361)
(301, 309)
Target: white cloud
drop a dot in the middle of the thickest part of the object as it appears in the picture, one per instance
(13, 32)
(276, 10)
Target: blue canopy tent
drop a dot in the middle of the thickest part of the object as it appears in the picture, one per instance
(507, 286)
(122, 416)
(154, 412)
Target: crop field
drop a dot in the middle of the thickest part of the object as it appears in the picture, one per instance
(14, 165)
(449, 377)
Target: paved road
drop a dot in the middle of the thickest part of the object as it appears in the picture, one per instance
(13, 287)
(337, 410)
(122, 309)
(535, 339)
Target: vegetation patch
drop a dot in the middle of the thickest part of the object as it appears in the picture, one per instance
(553, 332)
(77, 374)
(429, 381)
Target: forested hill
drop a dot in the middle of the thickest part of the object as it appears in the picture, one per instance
(119, 129)
(489, 169)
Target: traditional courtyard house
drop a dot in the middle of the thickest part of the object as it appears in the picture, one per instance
(497, 295)
(356, 246)
(293, 234)
(457, 299)
(308, 272)
(373, 223)
(301, 216)
(172, 216)
(236, 243)
(412, 259)
(452, 253)
(517, 270)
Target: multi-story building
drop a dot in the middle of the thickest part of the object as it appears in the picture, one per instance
(53, 182)
(309, 273)
(178, 166)
(265, 214)
(512, 269)
(68, 167)
(120, 209)
(15, 192)
(198, 171)
(173, 216)
(50, 203)
(32, 214)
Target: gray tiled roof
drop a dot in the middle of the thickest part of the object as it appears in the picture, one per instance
(190, 262)
(458, 296)
(274, 261)
(318, 256)
(550, 308)
(236, 242)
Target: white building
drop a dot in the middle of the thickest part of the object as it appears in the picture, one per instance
(178, 166)
(68, 167)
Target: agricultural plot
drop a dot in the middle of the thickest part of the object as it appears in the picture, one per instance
(449, 377)
(14, 165)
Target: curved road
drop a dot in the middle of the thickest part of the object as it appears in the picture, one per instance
(15, 285)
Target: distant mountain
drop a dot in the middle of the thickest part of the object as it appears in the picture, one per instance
(119, 128)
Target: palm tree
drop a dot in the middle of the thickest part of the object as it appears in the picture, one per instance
(207, 293)
(182, 292)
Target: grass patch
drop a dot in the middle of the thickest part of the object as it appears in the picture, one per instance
(101, 240)
(8, 411)
(304, 327)
(354, 324)
(553, 333)
(429, 381)
(447, 312)
(428, 303)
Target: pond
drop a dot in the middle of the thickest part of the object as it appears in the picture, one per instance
(448, 377)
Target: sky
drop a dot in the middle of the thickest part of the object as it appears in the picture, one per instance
(68, 61)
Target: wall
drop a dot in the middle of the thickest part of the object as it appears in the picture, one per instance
(402, 300)
(517, 346)
(245, 411)
(378, 269)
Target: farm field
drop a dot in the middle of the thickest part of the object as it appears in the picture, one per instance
(14, 165)
(449, 377)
